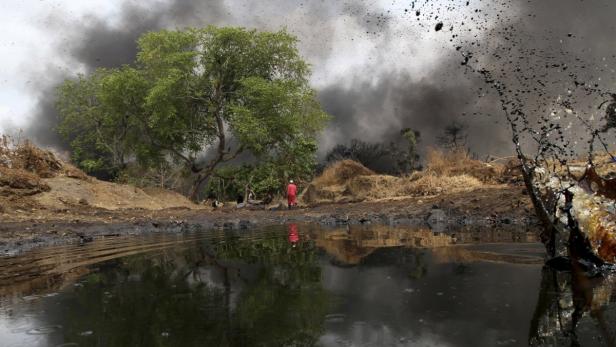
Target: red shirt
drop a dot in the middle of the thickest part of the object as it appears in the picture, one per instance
(291, 190)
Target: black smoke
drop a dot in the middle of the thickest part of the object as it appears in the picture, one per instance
(377, 111)
(373, 103)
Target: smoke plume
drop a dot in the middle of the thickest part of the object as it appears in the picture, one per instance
(377, 70)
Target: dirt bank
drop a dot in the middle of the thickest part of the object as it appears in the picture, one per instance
(492, 206)
(44, 200)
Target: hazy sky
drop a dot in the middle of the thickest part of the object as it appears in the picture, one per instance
(28, 43)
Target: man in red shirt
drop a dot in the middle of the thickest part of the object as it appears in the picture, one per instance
(291, 194)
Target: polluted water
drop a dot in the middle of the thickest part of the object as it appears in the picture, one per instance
(302, 284)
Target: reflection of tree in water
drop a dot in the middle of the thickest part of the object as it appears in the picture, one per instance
(286, 304)
(169, 299)
(564, 299)
(139, 301)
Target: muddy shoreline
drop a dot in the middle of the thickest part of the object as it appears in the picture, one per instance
(483, 209)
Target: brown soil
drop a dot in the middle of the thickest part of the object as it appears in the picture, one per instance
(491, 207)
(43, 198)
(67, 192)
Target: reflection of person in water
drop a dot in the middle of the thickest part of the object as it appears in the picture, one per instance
(293, 234)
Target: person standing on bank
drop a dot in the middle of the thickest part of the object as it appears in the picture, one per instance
(291, 194)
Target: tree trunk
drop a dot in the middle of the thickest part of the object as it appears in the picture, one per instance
(194, 190)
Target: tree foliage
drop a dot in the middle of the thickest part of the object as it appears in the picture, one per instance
(199, 97)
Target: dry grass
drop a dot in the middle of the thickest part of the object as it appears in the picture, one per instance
(432, 184)
(23, 155)
(603, 162)
(458, 163)
(66, 191)
(348, 181)
(20, 182)
(576, 168)
(22, 167)
(443, 163)
(340, 172)
(383, 187)
(23, 158)
(332, 185)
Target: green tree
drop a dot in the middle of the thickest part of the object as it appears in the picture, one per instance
(204, 96)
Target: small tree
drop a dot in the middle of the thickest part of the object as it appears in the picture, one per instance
(409, 160)
(267, 177)
(454, 136)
